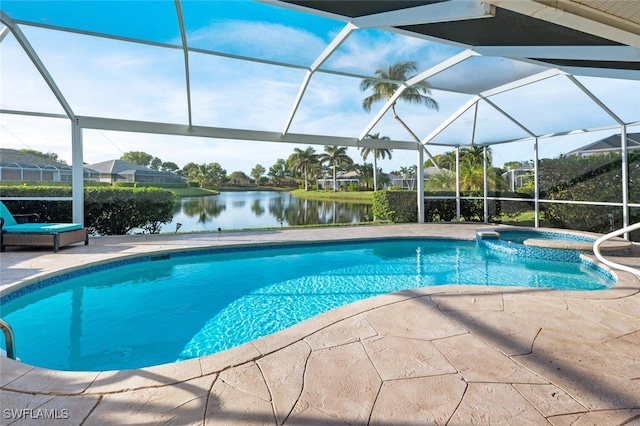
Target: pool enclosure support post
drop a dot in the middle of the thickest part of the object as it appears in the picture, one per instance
(457, 184)
(536, 189)
(77, 174)
(625, 179)
(420, 179)
(486, 184)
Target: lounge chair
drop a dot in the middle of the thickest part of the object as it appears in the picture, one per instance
(54, 235)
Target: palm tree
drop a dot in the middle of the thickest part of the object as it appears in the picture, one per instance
(444, 180)
(303, 160)
(365, 174)
(405, 173)
(475, 155)
(377, 153)
(413, 171)
(199, 173)
(383, 90)
(335, 156)
(447, 160)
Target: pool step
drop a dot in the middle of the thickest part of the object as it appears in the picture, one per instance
(487, 235)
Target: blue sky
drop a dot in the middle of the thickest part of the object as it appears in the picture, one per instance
(101, 77)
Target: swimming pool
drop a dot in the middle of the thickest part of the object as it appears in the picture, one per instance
(169, 307)
(519, 237)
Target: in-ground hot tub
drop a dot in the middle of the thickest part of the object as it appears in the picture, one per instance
(549, 244)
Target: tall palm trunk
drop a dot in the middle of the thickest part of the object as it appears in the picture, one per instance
(417, 139)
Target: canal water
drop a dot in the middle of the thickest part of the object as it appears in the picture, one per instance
(260, 209)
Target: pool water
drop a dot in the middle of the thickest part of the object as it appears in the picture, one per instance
(518, 237)
(149, 312)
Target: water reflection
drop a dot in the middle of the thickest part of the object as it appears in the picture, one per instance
(259, 209)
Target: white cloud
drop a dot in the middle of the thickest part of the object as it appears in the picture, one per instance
(259, 39)
(365, 51)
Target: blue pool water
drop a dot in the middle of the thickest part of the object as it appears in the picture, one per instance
(520, 236)
(166, 308)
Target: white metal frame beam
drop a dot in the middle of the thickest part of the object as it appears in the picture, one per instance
(35, 59)
(185, 50)
(98, 123)
(453, 117)
(3, 33)
(328, 51)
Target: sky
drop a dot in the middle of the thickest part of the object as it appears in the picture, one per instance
(115, 79)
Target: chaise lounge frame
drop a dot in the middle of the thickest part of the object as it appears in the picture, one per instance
(54, 239)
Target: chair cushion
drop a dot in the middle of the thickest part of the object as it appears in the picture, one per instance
(6, 215)
(42, 228)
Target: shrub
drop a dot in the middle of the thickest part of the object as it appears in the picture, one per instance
(354, 187)
(108, 211)
(593, 178)
(396, 206)
(118, 211)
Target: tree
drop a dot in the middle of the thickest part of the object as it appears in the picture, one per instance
(446, 160)
(211, 174)
(475, 155)
(239, 178)
(197, 173)
(257, 172)
(383, 90)
(279, 171)
(156, 163)
(301, 161)
(413, 171)
(336, 157)
(404, 173)
(137, 157)
(49, 155)
(217, 175)
(444, 180)
(169, 166)
(365, 174)
(377, 153)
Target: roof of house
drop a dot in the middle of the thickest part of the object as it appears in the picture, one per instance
(25, 160)
(14, 156)
(116, 167)
(610, 143)
(121, 167)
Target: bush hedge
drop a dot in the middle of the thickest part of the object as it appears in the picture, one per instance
(400, 206)
(592, 178)
(108, 211)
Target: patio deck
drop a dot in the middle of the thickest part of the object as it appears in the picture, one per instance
(452, 355)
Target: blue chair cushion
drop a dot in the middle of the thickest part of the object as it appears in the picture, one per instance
(42, 228)
(6, 215)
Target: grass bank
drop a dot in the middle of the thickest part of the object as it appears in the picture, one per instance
(193, 192)
(365, 197)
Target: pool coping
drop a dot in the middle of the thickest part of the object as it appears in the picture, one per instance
(331, 332)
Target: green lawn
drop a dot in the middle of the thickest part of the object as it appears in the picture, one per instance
(365, 197)
(527, 218)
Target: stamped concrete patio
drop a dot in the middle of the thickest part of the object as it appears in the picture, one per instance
(453, 355)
